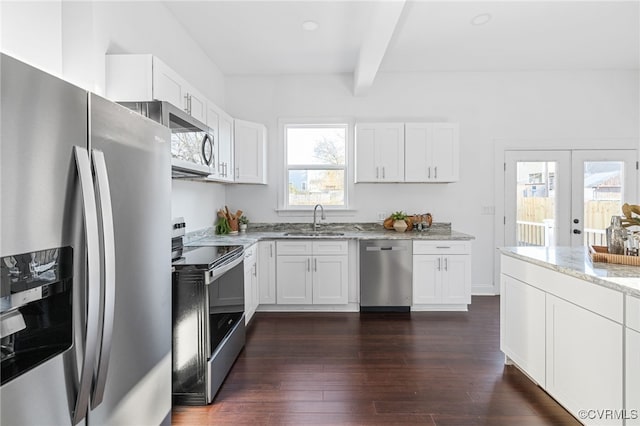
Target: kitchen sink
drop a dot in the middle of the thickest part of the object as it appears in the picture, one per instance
(313, 234)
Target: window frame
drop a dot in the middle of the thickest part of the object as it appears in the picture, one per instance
(347, 125)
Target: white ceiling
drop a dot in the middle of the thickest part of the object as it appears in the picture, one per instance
(266, 37)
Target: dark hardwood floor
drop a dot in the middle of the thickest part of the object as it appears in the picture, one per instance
(428, 368)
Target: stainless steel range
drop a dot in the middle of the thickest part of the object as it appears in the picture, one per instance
(208, 320)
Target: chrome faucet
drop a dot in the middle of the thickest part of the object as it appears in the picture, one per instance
(322, 216)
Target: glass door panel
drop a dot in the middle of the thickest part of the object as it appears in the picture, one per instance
(536, 198)
(603, 181)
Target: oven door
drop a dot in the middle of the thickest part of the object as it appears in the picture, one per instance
(226, 302)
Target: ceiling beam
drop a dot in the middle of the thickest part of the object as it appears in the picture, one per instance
(383, 23)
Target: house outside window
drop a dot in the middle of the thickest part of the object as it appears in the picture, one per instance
(316, 165)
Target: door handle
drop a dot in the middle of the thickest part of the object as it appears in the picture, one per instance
(270, 250)
(109, 274)
(429, 172)
(315, 264)
(439, 260)
(383, 176)
(308, 265)
(90, 216)
(435, 171)
(207, 139)
(446, 264)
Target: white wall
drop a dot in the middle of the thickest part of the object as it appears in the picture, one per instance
(30, 31)
(582, 106)
(70, 39)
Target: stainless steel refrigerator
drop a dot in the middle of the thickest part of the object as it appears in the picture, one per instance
(85, 223)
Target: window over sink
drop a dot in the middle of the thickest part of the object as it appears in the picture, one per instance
(316, 165)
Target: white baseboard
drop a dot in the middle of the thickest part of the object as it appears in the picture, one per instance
(350, 307)
(484, 290)
(441, 308)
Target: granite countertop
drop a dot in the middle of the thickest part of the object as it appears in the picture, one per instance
(350, 231)
(575, 261)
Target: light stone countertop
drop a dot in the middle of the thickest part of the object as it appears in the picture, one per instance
(350, 231)
(575, 261)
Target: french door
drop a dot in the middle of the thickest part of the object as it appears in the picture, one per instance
(565, 197)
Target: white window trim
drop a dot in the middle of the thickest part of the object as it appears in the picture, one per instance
(283, 208)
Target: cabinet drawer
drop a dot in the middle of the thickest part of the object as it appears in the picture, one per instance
(329, 247)
(633, 313)
(441, 247)
(291, 247)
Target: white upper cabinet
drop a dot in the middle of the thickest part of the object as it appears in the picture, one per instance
(250, 141)
(138, 78)
(433, 152)
(407, 152)
(225, 147)
(379, 152)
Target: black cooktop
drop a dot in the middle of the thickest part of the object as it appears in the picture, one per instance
(208, 257)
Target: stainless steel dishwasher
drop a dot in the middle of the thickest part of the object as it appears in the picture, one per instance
(386, 273)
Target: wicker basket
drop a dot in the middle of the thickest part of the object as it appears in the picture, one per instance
(601, 254)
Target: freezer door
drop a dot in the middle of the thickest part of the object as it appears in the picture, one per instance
(137, 385)
(42, 119)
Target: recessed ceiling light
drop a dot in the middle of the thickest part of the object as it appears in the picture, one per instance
(309, 25)
(481, 19)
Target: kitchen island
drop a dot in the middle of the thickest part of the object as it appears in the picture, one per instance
(573, 326)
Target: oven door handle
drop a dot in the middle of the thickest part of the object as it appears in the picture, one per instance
(214, 274)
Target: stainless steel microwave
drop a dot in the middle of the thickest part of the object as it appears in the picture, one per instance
(192, 143)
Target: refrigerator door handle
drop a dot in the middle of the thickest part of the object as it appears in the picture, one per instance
(90, 216)
(108, 281)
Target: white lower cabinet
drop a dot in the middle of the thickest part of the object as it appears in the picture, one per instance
(441, 275)
(312, 272)
(267, 272)
(568, 335)
(250, 282)
(632, 377)
(584, 360)
(522, 329)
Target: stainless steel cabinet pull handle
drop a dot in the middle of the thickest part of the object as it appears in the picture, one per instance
(109, 283)
(315, 264)
(186, 103)
(377, 175)
(237, 172)
(439, 264)
(92, 242)
(446, 264)
(436, 172)
(308, 265)
(429, 171)
(270, 250)
(383, 173)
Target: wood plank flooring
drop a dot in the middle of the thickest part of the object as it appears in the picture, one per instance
(427, 368)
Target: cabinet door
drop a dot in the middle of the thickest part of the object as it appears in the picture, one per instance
(212, 123)
(417, 141)
(225, 147)
(456, 279)
(632, 377)
(293, 280)
(267, 271)
(522, 326)
(584, 359)
(167, 85)
(197, 105)
(379, 152)
(330, 280)
(249, 270)
(365, 153)
(445, 152)
(250, 145)
(389, 149)
(427, 279)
